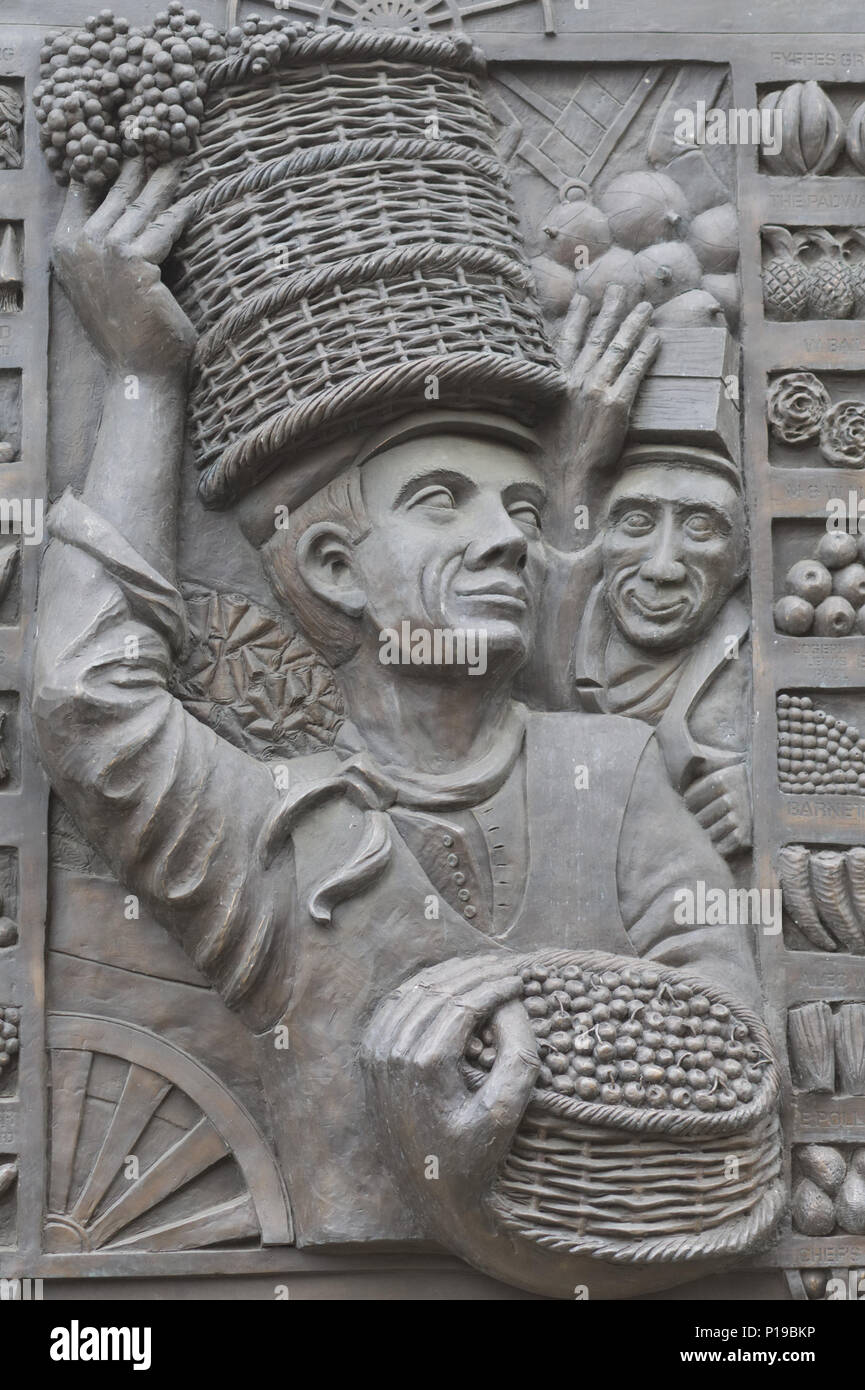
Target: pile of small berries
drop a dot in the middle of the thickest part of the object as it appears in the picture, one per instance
(111, 89)
(8, 1036)
(629, 1037)
(818, 752)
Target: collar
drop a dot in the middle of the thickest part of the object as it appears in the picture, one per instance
(449, 791)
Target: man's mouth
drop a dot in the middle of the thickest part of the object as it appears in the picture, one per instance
(658, 612)
(500, 592)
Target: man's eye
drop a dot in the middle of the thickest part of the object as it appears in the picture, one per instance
(436, 496)
(637, 523)
(526, 515)
(700, 527)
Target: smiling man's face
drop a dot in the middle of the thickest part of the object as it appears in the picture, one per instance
(674, 550)
(455, 541)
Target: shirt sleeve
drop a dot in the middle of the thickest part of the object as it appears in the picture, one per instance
(664, 855)
(176, 811)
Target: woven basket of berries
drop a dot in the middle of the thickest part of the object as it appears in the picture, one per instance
(350, 232)
(652, 1133)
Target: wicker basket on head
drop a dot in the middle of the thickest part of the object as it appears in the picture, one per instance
(636, 1184)
(352, 235)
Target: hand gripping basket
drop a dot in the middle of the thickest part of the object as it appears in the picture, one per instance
(637, 1184)
(352, 236)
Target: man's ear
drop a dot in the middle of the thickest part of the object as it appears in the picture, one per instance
(325, 560)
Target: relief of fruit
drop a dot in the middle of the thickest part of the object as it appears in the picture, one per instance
(693, 309)
(629, 1037)
(830, 288)
(812, 1052)
(850, 1049)
(785, 278)
(850, 1202)
(616, 267)
(668, 269)
(813, 1209)
(554, 286)
(821, 752)
(714, 238)
(823, 1165)
(856, 138)
(726, 291)
(829, 1194)
(644, 208)
(811, 130)
(826, 592)
(834, 898)
(794, 872)
(853, 249)
(824, 895)
(575, 223)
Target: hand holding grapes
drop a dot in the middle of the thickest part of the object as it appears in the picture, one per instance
(108, 264)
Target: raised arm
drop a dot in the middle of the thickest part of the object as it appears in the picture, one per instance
(176, 811)
(108, 264)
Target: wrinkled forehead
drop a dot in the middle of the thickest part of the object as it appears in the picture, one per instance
(484, 464)
(675, 483)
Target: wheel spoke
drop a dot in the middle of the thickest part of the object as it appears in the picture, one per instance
(69, 1072)
(229, 1221)
(191, 1155)
(143, 1091)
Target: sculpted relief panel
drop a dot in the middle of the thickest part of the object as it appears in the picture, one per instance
(424, 854)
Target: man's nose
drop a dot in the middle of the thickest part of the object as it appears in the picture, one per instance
(663, 566)
(498, 540)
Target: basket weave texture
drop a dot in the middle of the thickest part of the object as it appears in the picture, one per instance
(351, 234)
(641, 1185)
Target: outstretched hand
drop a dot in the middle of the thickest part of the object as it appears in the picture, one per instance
(108, 264)
(605, 364)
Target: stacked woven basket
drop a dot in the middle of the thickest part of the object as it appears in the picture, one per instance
(641, 1180)
(352, 236)
(352, 251)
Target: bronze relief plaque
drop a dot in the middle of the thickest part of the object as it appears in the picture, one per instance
(432, 622)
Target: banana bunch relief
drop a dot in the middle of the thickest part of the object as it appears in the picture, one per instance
(824, 895)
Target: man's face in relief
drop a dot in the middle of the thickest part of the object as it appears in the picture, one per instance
(455, 541)
(673, 551)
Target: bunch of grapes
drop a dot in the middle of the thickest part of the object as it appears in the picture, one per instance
(77, 102)
(8, 1035)
(627, 1037)
(112, 90)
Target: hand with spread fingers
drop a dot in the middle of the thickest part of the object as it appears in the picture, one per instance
(413, 1054)
(108, 262)
(605, 364)
(721, 802)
